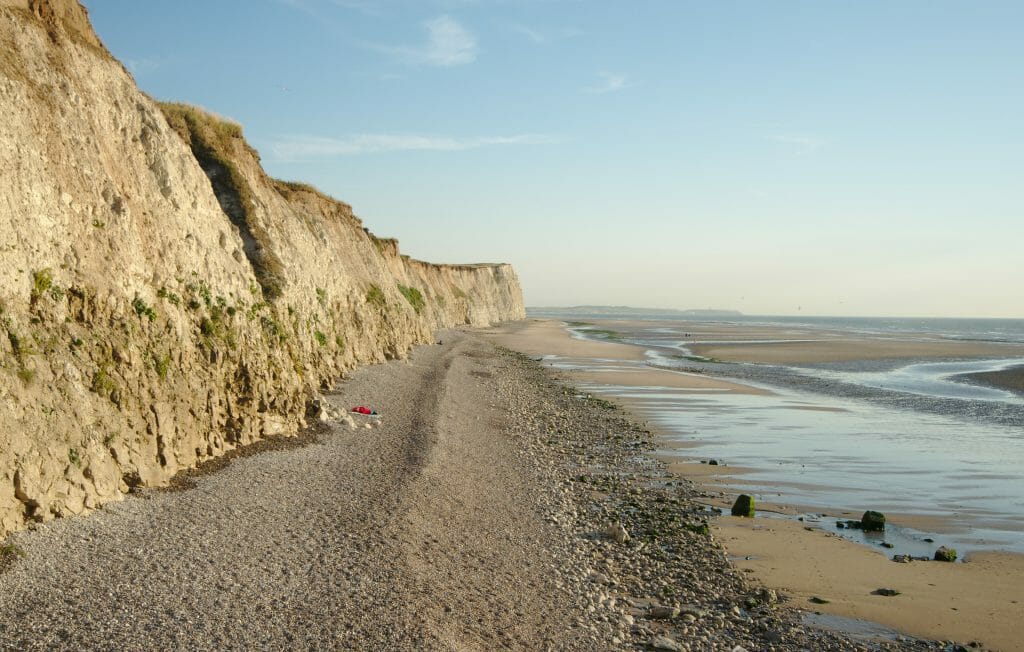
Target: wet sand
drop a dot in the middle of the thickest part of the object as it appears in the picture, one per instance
(618, 364)
(1011, 379)
(982, 600)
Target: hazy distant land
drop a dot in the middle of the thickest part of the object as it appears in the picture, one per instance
(623, 311)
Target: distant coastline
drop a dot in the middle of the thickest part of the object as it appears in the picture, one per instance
(628, 311)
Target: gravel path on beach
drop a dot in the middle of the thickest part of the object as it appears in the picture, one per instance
(474, 518)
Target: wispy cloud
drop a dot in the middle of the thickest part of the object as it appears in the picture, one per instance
(802, 142)
(312, 147)
(529, 32)
(538, 36)
(141, 67)
(611, 82)
(368, 7)
(448, 44)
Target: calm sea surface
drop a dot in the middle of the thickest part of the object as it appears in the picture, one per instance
(907, 437)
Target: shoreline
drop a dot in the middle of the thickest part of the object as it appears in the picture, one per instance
(847, 564)
(1011, 379)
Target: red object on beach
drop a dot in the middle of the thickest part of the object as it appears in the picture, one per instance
(361, 409)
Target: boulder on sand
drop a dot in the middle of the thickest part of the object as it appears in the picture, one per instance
(744, 506)
(872, 521)
(945, 554)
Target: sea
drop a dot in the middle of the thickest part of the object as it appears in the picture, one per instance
(919, 440)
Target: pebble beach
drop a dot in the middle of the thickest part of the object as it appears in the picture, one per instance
(495, 507)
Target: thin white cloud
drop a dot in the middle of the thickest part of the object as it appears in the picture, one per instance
(368, 7)
(530, 33)
(141, 67)
(312, 147)
(538, 37)
(802, 142)
(611, 82)
(448, 44)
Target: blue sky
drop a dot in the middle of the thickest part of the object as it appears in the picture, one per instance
(772, 157)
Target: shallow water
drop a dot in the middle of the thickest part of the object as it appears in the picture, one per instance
(897, 437)
(850, 457)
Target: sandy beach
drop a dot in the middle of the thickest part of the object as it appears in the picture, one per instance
(981, 600)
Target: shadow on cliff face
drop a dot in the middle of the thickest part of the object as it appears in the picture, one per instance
(212, 140)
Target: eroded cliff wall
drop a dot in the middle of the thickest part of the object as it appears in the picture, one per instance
(162, 300)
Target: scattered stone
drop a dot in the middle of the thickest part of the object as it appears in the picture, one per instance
(617, 533)
(886, 592)
(663, 612)
(872, 521)
(744, 506)
(816, 600)
(665, 643)
(712, 462)
(945, 554)
(768, 596)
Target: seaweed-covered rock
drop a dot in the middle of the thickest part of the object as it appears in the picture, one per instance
(744, 506)
(945, 554)
(872, 521)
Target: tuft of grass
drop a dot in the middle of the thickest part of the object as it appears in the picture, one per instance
(375, 296)
(321, 296)
(9, 553)
(16, 345)
(414, 297)
(161, 364)
(102, 383)
(42, 280)
(74, 457)
(273, 329)
(26, 375)
(340, 342)
(167, 295)
(321, 339)
(142, 309)
(217, 326)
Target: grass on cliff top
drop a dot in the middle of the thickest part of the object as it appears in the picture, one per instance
(183, 118)
(213, 141)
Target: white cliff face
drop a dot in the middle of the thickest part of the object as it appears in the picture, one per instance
(139, 333)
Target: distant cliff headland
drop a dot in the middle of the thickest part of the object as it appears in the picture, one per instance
(162, 299)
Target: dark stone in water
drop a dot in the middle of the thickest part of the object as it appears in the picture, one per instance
(712, 462)
(853, 525)
(872, 521)
(906, 559)
(744, 506)
(886, 544)
(928, 540)
(945, 554)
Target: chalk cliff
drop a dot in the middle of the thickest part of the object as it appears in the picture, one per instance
(162, 300)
